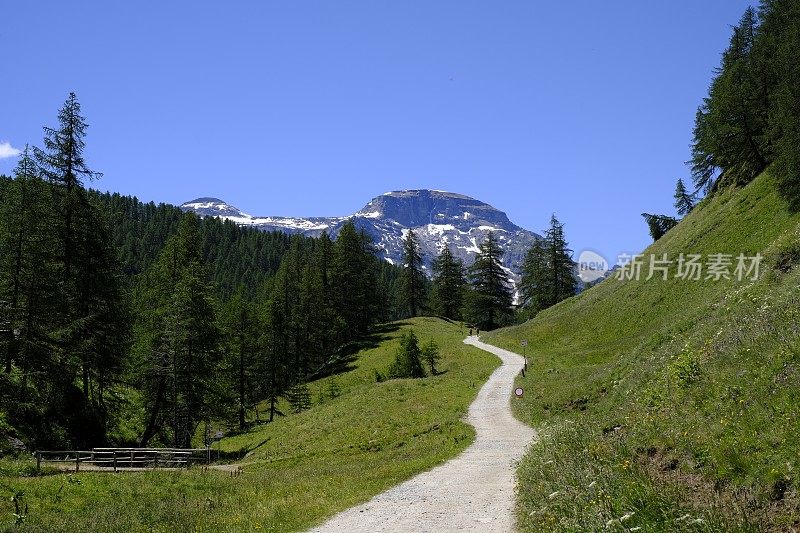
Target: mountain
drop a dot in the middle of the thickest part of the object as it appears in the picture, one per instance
(438, 218)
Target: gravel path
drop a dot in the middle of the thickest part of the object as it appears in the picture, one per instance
(472, 492)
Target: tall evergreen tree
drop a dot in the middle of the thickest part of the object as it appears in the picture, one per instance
(177, 339)
(776, 48)
(241, 333)
(90, 327)
(491, 298)
(561, 267)
(535, 292)
(548, 274)
(730, 144)
(353, 278)
(61, 162)
(684, 201)
(413, 276)
(24, 252)
(449, 282)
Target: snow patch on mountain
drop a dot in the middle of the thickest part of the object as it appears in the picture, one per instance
(438, 218)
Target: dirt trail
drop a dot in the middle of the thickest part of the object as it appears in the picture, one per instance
(472, 492)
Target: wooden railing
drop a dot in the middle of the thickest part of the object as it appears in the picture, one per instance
(114, 458)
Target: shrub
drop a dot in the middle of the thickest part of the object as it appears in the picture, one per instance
(685, 369)
(430, 354)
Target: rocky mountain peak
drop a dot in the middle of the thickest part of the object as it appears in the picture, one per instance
(438, 218)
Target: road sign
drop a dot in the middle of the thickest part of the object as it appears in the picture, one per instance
(518, 392)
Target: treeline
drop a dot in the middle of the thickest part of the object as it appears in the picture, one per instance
(482, 294)
(130, 323)
(234, 256)
(750, 119)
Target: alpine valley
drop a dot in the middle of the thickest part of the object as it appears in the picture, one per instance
(438, 218)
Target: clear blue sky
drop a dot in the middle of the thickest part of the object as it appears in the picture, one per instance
(582, 108)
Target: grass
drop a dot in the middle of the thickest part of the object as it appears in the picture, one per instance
(298, 470)
(674, 403)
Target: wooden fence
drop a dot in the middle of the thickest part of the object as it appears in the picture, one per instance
(127, 458)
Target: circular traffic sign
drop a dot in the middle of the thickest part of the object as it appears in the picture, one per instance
(518, 392)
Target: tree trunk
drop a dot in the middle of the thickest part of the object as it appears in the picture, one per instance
(152, 422)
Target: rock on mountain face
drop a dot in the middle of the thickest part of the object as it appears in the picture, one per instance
(438, 219)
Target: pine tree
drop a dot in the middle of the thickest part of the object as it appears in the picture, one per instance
(659, 224)
(30, 281)
(413, 276)
(449, 282)
(548, 275)
(193, 338)
(241, 333)
(491, 298)
(61, 162)
(776, 48)
(91, 331)
(560, 265)
(430, 354)
(299, 397)
(730, 143)
(684, 201)
(354, 281)
(535, 283)
(177, 339)
(408, 359)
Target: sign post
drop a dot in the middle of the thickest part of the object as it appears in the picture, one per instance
(524, 344)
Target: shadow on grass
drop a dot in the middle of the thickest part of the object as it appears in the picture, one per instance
(342, 361)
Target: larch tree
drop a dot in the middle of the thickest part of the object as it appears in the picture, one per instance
(413, 276)
(449, 282)
(684, 201)
(561, 268)
(491, 298)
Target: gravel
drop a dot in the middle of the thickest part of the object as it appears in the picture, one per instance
(472, 492)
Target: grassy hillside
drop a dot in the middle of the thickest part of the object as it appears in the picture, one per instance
(299, 469)
(677, 400)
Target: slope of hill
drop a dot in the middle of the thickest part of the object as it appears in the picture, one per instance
(359, 438)
(671, 405)
(438, 218)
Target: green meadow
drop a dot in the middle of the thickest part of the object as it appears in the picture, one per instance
(671, 405)
(359, 438)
